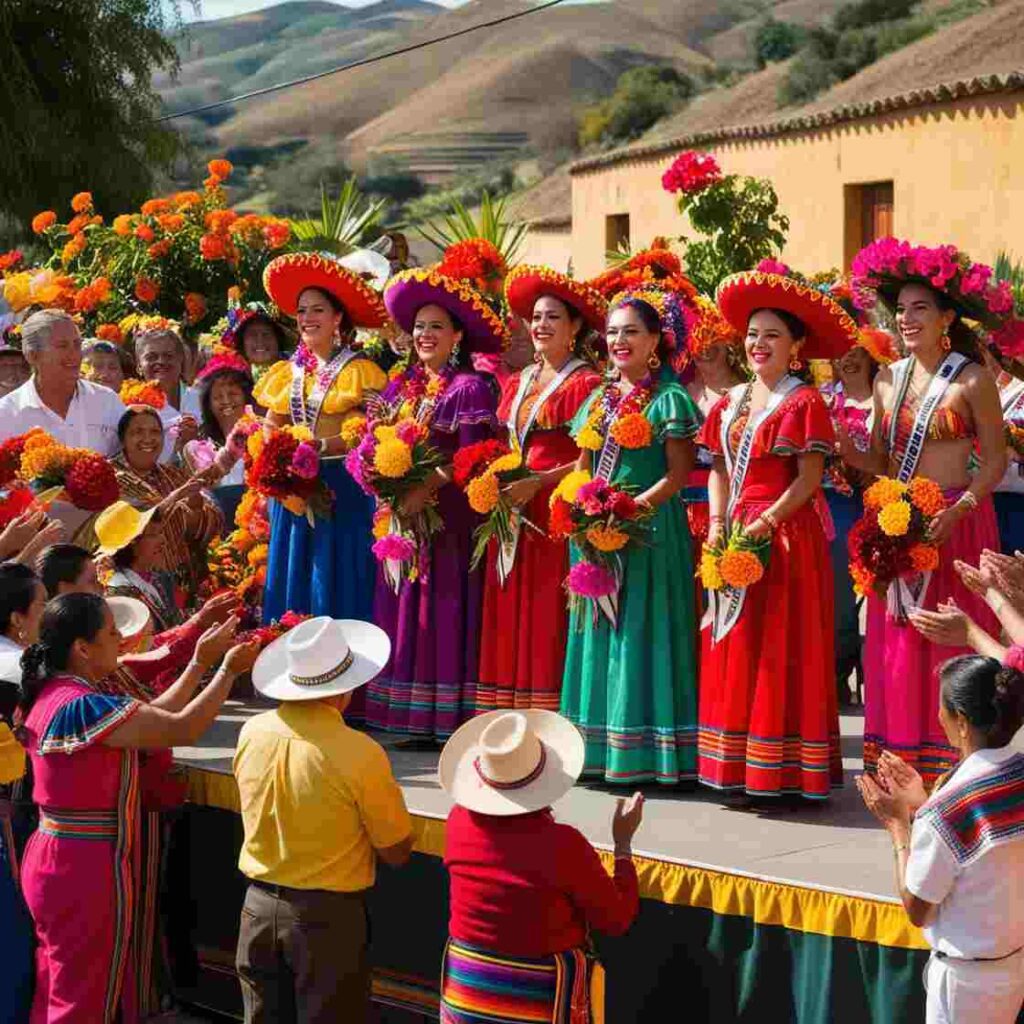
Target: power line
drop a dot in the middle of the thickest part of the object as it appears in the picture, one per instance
(359, 63)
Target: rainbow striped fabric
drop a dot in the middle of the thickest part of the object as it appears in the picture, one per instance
(480, 987)
(985, 813)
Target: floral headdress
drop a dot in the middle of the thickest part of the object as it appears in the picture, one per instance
(675, 320)
(654, 267)
(239, 317)
(224, 361)
(710, 328)
(883, 267)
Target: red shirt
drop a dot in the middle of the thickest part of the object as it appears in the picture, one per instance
(528, 886)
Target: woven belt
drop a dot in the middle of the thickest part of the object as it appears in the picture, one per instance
(100, 825)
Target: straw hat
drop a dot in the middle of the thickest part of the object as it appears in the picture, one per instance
(131, 617)
(321, 657)
(119, 525)
(511, 762)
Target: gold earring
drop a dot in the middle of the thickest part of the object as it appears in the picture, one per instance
(653, 362)
(795, 364)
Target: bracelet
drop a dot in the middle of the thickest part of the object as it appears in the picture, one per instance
(968, 498)
(769, 519)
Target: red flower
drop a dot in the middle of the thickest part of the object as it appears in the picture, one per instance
(110, 332)
(146, 289)
(158, 250)
(14, 502)
(9, 260)
(472, 460)
(145, 233)
(622, 506)
(560, 523)
(213, 247)
(195, 307)
(691, 172)
(91, 483)
(10, 458)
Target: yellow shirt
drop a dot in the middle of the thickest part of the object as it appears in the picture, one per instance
(12, 756)
(316, 798)
(347, 394)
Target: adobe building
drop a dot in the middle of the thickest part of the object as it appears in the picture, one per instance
(936, 165)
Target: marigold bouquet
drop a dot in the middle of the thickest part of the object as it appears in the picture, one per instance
(142, 392)
(286, 466)
(88, 479)
(891, 539)
(602, 520)
(738, 562)
(238, 562)
(482, 470)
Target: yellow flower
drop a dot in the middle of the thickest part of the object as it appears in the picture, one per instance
(589, 439)
(392, 458)
(18, 291)
(884, 491)
(607, 538)
(300, 433)
(258, 555)
(894, 518)
(505, 462)
(352, 431)
(710, 574)
(570, 484)
(241, 540)
(381, 523)
(254, 444)
(384, 432)
(482, 493)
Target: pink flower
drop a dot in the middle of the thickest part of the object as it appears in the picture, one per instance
(691, 172)
(1009, 339)
(774, 267)
(589, 580)
(355, 465)
(975, 281)
(202, 454)
(1000, 298)
(409, 432)
(305, 461)
(395, 547)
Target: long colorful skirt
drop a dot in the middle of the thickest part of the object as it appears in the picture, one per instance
(632, 690)
(326, 569)
(901, 686)
(769, 723)
(481, 987)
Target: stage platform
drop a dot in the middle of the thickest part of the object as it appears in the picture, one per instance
(781, 914)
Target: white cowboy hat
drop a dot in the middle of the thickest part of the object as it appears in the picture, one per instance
(131, 616)
(511, 762)
(321, 657)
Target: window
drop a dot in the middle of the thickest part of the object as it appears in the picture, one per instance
(616, 232)
(869, 215)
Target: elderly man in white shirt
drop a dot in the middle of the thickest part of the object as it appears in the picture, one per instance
(960, 864)
(73, 411)
(160, 356)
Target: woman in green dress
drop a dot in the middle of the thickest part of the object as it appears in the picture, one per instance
(631, 688)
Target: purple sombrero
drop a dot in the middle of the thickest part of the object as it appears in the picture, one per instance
(409, 291)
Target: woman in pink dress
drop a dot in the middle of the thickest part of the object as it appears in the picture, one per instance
(80, 871)
(937, 414)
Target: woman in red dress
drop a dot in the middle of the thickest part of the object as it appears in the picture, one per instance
(769, 724)
(525, 617)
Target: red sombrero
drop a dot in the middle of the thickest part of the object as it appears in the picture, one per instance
(286, 277)
(525, 284)
(830, 330)
(410, 290)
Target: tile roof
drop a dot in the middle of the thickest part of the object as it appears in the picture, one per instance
(980, 85)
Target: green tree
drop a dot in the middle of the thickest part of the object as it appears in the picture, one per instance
(78, 103)
(865, 13)
(775, 41)
(642, 96)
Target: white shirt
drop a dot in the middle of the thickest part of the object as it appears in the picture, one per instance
(10, 660)
(91, 421)
(980, 901)
(169, 416)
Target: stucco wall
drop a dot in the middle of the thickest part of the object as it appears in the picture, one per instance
(551, 247)
(957, 171)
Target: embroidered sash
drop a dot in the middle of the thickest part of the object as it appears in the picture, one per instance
(726, 605)
(907, 593)
(1012, 399)
(986, 813)
(506, 553)
(306, 412)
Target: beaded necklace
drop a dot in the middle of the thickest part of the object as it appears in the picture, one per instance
(419, 392)
(611, 405)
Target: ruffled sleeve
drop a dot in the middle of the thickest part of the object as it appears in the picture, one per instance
(85, 720)
(710, 436)
(673, 413)
(468, 401)
(350, 386)
(273, 390)
(802, 425)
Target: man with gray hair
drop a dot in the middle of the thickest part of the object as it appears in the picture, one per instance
(72, 411)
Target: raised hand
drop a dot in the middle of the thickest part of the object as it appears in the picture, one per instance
(902, 780)
(626, 819)
(947, 625)
(214, 643)
(242, 657)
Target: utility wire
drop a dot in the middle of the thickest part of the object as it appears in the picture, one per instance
(358, 64)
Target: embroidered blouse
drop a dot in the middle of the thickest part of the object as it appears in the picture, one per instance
(346, 394)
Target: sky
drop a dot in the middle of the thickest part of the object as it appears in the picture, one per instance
(210, 9)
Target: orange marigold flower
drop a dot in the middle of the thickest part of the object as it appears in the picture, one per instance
(92, 295)
(607, 538)
(123, 224)
(43, 221)
(158, 250)
(219, 221)
(740, 568)
(151, 207)
(81, 202)
(632, 431)
(276, 233)
(234, 294)
(195, 307)
(183, 200)
(110, 332)
(924, 557)
(171, 222)
(884, 491)
(145, 233)
(220, 168)
(77, 223)
(146, 289)
(75, 247)
(482, 493)
(213, 247)
(927, 496)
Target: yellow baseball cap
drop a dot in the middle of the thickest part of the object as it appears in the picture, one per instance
(119, 525)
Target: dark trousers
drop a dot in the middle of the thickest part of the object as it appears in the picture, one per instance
(303, 956)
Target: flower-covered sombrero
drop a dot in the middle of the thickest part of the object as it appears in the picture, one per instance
(831, 331)
(410, 290)
(525, 284)
(286, 277)
(239, 317)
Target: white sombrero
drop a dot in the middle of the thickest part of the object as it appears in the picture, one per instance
(321, 657)
(511, 762)
(131, 616)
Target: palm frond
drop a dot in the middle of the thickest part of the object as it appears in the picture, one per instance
(616, 257)
(346, 222)
(494, 225)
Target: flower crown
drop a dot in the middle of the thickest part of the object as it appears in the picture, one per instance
(674, 316)
(224, 360)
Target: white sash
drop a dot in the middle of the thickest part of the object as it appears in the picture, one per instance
(726, 605)
(608, 459)
(1012, 398)
(907, 593)
(306, 412)
(506, 553)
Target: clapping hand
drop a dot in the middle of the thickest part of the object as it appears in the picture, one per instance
(902, 781)
(974, 580)
(218, 609)
(947, 625)
(52, 532)
(20, 530)
(1007, 575)
(889, 810)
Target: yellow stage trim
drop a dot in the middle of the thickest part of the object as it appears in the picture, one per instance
(771, 903)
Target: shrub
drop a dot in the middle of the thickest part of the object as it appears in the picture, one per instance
(775, 41)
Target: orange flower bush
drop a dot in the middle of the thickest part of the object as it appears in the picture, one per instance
(81, 202)
(146, 289)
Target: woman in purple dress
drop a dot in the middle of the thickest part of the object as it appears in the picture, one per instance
(434, 620)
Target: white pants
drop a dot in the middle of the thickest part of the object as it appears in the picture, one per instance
(974, 992)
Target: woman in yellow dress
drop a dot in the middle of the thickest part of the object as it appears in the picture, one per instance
(326, 569)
